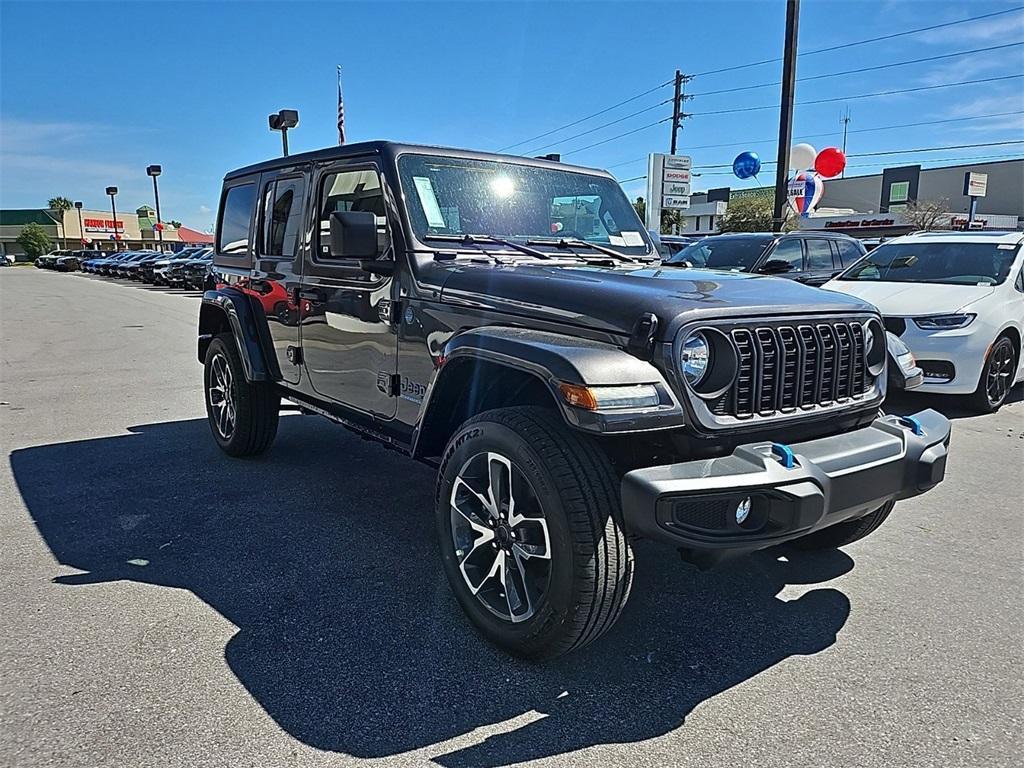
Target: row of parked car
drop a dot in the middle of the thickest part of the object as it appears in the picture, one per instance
(187, 268)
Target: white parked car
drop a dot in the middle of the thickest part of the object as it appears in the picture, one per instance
(957, 300)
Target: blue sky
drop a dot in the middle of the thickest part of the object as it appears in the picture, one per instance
(91, 93)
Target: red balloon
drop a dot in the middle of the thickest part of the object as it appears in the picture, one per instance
(830, 162)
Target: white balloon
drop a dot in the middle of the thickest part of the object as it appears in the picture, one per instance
(801, 157)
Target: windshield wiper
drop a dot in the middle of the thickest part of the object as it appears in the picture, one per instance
(479, 239)
(576, 243)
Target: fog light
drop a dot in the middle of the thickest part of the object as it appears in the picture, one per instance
(742, 511)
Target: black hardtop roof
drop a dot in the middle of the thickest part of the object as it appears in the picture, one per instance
(393, 149)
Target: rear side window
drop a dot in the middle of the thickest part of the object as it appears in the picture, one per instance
(848, 252)
(790, 252)
(235, 218)
(819, 254)
(284, 217)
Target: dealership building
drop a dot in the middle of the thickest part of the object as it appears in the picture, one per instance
(876, 205)
(98, 230)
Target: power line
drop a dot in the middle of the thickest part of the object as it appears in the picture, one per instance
(864, 69)
(872, 154)
(842, 46)
(758, 63)
(621, 135)
(831, 133)
(598, 128)
(864, 95)
(896, 152)
(975, 158)
(588, 117)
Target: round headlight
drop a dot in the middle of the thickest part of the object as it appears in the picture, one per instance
(869, 340)
(695, 358)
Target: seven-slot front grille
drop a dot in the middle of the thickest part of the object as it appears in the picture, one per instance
(785, 367)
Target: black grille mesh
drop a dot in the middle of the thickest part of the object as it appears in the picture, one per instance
(785, 367)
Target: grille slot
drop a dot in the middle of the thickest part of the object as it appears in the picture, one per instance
(786, 367)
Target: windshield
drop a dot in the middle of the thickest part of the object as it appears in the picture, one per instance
(952, 263)
(734, 253)
(457, 196)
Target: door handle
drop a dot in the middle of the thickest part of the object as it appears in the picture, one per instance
(310, 294)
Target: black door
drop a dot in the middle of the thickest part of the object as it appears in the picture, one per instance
(821, 263)
(349, 344)
(277, 266)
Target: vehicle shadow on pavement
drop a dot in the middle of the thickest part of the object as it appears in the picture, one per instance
(950, 406)
(324, 557)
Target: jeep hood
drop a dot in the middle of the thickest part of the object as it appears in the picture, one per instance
(613, 300)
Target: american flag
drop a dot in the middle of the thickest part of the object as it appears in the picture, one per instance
(341, 112)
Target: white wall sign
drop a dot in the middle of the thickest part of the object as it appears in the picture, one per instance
(668, 186)
(975, 184)
(675, 189)
(675, 203)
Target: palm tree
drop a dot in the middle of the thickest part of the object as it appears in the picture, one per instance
(60, 204)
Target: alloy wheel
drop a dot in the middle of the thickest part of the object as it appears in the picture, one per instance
(500, 536)
(222, 396)
(999, 373)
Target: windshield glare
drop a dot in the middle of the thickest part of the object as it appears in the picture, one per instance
(952, 263)
(457, 196)
(733, 253)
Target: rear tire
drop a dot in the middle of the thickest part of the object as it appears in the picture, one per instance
(841, 534)
(996, 379)
(568, 558)
(243, 415)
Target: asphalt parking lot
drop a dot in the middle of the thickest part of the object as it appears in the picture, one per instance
(165, 605)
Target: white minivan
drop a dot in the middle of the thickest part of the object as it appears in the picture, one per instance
(957, 300)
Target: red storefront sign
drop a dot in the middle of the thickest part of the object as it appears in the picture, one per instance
(102, 225)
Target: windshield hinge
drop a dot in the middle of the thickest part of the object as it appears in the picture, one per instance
(641, 340)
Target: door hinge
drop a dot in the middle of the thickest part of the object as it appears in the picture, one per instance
(294, 355)
(389, 383)
(388, 311)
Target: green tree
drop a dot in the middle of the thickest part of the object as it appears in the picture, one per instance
(175, 224)
(751, 213)
(60, 204)
(641, 208)
(34, 240)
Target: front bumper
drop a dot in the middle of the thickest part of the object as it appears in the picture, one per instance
(793, 490)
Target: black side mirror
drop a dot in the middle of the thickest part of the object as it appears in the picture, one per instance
(353, 235)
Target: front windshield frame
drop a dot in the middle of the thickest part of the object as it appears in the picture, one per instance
(853, 274)
(416, 218)
(689, 252)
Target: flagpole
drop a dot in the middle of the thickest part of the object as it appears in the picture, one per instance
(341, 111)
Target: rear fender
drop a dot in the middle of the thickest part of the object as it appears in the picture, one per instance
(226, 309)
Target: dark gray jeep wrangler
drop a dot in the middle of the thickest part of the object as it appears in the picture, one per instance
(508, 321)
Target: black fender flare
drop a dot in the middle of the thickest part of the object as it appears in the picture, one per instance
(555, 358)
(233, 307)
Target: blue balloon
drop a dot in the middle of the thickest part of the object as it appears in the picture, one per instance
(746, 164)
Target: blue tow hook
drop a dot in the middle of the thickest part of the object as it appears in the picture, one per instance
(784, 454)
(911, 423)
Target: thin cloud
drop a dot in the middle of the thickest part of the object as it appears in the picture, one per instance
(1001, 29)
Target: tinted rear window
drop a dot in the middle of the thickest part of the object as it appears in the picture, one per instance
(233, 232)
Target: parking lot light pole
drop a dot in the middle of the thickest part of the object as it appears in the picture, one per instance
(113, 210)
(282, 121)
(81, 229)
(154, 171)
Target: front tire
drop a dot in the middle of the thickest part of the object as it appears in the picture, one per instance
(530, 531)
(841, 534)
(996, 377)
(243, 415)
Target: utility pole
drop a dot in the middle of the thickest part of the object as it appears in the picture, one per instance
(786, 112)
(845, 120)
(677, 108)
